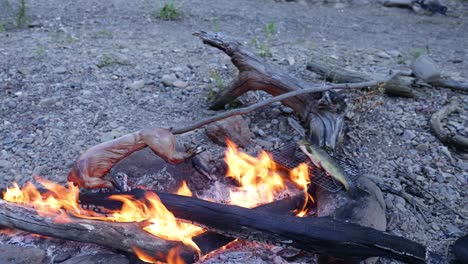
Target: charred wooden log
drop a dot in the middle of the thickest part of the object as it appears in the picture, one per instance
(460, 249)
(325, 122)
(320, 235)
(121, 236)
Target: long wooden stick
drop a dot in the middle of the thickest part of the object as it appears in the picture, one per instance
(245, 110)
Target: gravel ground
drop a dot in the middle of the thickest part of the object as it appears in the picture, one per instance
(90, 71)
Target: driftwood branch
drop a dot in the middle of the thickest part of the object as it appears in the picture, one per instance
(397, 86)
(248, 109)
(451, 84)
(325, 122)
(458, 141)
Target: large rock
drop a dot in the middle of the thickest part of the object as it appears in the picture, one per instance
(10, 254)
(425, 68)
(368, 209)
(235, 128)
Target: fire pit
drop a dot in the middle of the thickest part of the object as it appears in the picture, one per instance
(150, 229)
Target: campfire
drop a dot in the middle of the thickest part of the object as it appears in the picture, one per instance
(269, 202)
(259, 179)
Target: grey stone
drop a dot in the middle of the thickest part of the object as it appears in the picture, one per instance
(462, 165)
(10, 254)
(264, 143)
(422, 147)
(169, 79)
(287, 110)
(425, 68)
(180, 84)
(61, 257)
(279, 260)
(60, 70)
(5, 164)
(383, 54)
(408, 135)
(136, 85)
(99, 258)
(235, 128)
(453, 229)
(435, 227)
(394, 53)
(107, 137)
(51, 101)
(11, 103)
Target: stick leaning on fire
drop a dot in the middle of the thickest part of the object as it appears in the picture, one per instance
(92, 167)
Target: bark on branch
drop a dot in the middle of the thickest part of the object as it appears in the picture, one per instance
(325, 122)
(397, 86)
(458, 141)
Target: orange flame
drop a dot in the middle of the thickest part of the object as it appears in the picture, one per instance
(174, 257)
(143, 256)
(184, 190)
(161, 222)
(300, 176)
(260, 180)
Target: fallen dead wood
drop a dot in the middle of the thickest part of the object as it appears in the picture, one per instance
(121, 236)
(397, 86)
(458, 141)
(451, 84)
(325, 122)
(248, 109)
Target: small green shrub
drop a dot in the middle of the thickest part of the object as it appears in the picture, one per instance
(40, 50)
(169, 11)
(263, 50)
(217, 86)
(418, 52)
(22, 16)
(270, 30)
(401, 60)
(2, 28)
(216, 25)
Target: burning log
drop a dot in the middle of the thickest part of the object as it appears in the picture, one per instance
(320, 235)
(121, 236)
